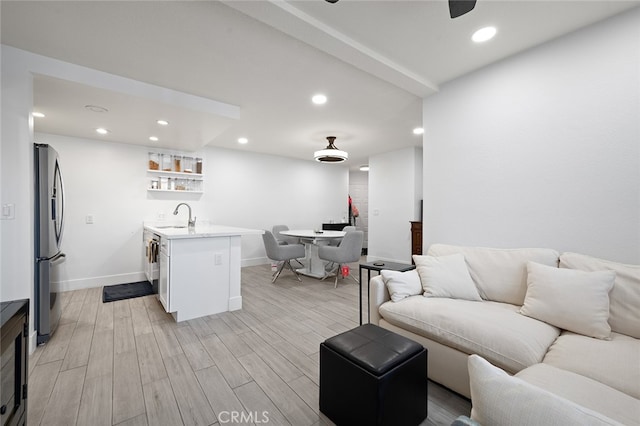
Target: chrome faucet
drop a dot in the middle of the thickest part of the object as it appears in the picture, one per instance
(192, 222)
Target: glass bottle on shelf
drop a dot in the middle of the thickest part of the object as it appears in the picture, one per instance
(154, 161)
(188, 164)
(177, 160)
(166, 163)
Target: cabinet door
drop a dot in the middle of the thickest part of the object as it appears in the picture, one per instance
(164, 282)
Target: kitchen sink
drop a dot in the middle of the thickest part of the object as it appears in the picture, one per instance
(171, 226)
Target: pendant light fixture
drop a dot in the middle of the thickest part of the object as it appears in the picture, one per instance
(330, 154)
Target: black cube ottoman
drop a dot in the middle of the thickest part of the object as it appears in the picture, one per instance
(373, 376)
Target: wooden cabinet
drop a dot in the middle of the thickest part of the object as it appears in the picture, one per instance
(416, 238)
(14, 359)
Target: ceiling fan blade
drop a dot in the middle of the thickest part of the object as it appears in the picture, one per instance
(460, 7)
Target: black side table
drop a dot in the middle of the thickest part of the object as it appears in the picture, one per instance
(378, 266)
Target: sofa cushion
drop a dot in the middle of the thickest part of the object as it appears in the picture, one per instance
(401, 284)
(494, 330)
(498, 399)
(446, 276)
(614, 362)
(584, 391)
(499, 274)
(624, 310)
(569, 299)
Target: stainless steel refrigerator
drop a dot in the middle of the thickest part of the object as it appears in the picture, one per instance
(49, 225)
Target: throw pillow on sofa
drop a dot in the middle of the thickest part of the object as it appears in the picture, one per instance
(498, 399)
(446, 276)
(573, 300)
(624, 299)
(401, 284)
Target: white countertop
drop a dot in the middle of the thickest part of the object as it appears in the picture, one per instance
(199, 231)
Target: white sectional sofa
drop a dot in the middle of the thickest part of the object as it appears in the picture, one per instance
(555, 338)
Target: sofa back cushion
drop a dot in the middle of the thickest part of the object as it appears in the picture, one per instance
(624, 298)
(499, 274)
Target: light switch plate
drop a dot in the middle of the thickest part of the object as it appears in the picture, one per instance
(89, 219)
(8, 211)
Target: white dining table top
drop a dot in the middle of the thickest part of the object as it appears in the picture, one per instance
(310, 233)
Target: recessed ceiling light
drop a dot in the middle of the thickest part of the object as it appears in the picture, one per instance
(319, 99)
(102, 131)
(153, 138)
(163, 122)
(243, 140)
(418, 131)
(96, 108)
(37, 114)
(484, 34)
(364, 168)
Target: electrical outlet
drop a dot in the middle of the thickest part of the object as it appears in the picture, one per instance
(160, 216)
(89, 219)
(217, 258)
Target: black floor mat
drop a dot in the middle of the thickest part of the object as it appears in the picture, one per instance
(126, 291)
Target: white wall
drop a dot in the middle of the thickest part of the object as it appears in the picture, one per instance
(109, 181)
(16, 174)
(394, 196)
(542, 149)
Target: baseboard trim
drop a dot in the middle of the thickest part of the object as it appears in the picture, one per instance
(254, 261)
(235, 303)
(93, 282)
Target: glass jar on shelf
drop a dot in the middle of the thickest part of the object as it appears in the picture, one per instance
(166, 163)
(188, 164)
(199, 165)
(177, 163)
(164, 182)
(172, 184)
(154, 161)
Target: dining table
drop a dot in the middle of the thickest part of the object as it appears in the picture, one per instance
(312, 239)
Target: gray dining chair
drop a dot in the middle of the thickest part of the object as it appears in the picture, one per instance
(281, 253)
(349, 250)
(285, 239)
(346, 229)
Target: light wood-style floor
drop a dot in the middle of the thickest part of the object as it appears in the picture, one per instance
(130, 363)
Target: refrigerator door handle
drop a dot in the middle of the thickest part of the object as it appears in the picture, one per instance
(60, 257)
(58, 204)
(56, 257)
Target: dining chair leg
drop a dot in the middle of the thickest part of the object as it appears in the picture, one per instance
(277, 273)
(335, 285)
(294, 271)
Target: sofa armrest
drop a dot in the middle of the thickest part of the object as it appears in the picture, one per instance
(379, 295)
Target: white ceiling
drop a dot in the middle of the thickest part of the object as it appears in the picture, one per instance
(375, 60)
